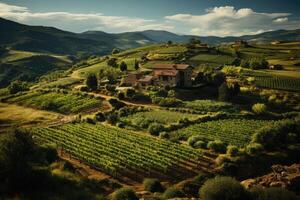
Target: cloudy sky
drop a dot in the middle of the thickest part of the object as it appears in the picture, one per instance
(197, 17)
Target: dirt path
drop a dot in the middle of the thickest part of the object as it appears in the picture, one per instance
(107, 97)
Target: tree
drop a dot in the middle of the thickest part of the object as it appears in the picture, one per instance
(91, 82)
(123, 66)
(17, 86)
(136, 65)
(224, 93)
(115, 51)
(194, 41)
(169, 42)
(112, 62)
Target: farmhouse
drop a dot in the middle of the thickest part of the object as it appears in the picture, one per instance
(173, 74)
(162, 74)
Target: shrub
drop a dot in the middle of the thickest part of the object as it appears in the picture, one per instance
(17, 86)
(152, 185)
(225, 188)
(121, 95)
(155, 128)
(112, 118)
(124, 194)
(84, 89)
(193, 139)
(217, 146)
(232, 150)
(259, 108)
(115, 103)
(130, 93)
(200, 144)
(100, 117)
(164, 135)
(120, 124)
(172, 192)
(254, 149)
(91, 82)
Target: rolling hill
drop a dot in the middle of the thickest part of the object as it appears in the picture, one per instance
(51, 40)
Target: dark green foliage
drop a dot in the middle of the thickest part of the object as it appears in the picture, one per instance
(217, 146)
(254, 149)
(130, 93)
(100, 117)
(136, 65)
(232, 150)
(112, 118)
(276, 136)
(17, 86)
(193, 139)
(91, 82)
(259, 193)
(172, 192)
(115, 51)
(227, 92)
(223, 188)
(155, 128)
(116, 104)
(112, 62)
(152, 185)
(123, 66)
(164, 135)
(124, 194)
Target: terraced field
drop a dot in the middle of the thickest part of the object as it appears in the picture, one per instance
(232, 131)
(59, 102)
(120, 152)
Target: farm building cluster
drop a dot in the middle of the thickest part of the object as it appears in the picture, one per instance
(174, 75)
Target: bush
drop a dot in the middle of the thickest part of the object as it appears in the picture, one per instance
(254, 149)
(217, 146)
(259, 108)
(164, 135)
(152, 185)
(200, 144)
(120, 124)
(17, 86)
(223, 188)
(100, 117)
(112, 118)
(115, 103)
(124, 194)
(232, 150)
(172, 192)
(155, 128)
(91, 82)
(193, 139)
(259, 193)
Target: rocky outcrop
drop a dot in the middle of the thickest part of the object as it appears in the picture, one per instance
(281, 176)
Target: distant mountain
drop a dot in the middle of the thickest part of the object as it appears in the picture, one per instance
(51, 40)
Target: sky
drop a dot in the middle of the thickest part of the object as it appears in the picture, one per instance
(192, 17)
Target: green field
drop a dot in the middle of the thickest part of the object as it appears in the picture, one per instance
(159, 116)
(209, 105)
(119, 152)
(278, 82)
(59, 102)
(232, 131)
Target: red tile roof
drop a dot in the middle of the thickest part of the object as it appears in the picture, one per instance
(171, 66)
(165, 72)
(146, 79)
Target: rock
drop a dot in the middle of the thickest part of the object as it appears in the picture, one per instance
(277, 184)
(248, 183)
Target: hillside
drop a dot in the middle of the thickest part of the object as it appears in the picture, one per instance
(51, 40)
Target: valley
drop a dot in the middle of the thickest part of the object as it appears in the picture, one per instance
(179, 112)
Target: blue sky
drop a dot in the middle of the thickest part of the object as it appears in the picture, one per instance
(198, 17)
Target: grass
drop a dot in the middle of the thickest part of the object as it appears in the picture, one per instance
(232, 131)
(14, 115)
(160, 116)
(60, 83)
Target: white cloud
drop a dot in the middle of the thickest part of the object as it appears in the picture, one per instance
(79, 21)
(228, 21)
(281, 20)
